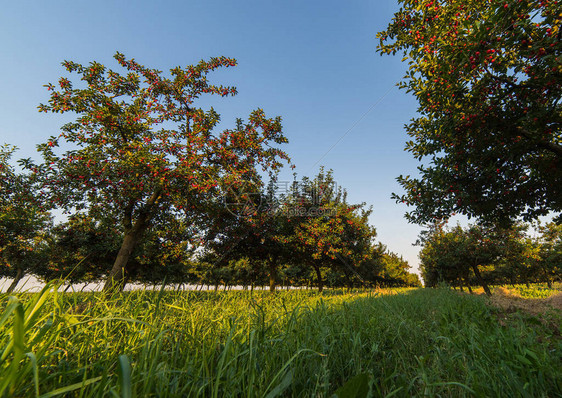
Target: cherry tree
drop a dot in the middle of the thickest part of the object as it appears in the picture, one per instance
(23, 221)
(488, 79)
(141, 152)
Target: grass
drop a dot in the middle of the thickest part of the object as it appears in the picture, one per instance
(422, 342)
(537, 290)
(534, 291)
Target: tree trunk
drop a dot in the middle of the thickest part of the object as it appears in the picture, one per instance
(272, 276)
(468, 286)
(319, 278)
(481, 280)
(17, 278)
(116, 277)
(548, 280)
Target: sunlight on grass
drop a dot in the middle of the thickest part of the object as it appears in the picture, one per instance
(297, 343)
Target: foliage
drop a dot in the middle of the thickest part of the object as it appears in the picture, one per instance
(535, 291)
(326, 230)
(82, 249)
(23, 221)
(551, 251)
(143, 154)
(488, 79)
(309, 233)
(78, 250)
(395, 271)
(458, 255)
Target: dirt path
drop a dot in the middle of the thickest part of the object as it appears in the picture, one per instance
(507, 299)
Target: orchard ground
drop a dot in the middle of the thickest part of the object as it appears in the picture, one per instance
(401, 342)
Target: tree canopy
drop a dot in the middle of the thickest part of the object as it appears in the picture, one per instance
(488, 79)
(484, 254)
(23, 221)
(142, 153)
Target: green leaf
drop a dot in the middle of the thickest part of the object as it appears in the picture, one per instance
(356, 387)
(70, 388)
(125, 377)
(33, 360)
(523, 360)
(286, 382)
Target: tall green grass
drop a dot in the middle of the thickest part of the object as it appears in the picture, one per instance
(296, 343)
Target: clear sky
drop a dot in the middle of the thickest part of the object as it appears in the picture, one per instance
(312, 62)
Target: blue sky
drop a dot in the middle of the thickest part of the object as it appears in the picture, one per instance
(313, 63)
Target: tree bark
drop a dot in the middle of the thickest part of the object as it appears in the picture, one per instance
(272, 276)
(319, 278)
(481, 280)
(116, 277)
(17, 278)
(468, 285)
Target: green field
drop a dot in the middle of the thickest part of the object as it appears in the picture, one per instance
(426, 342)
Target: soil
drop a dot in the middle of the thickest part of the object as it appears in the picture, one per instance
(508, 300)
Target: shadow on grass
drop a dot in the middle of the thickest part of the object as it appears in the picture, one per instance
(423, 342)
(176, 344)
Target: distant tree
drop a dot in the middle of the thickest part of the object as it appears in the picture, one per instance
(308, 234)
(439, 262)
(82, 249)
(395, 270)
(413, 280)
(23, 221)
(488, 79)
(519, 255)
(454, 255)
(79, 250)
(143, 154)
(250, 228)
(372, 267)
(551, 252)
(328, 231)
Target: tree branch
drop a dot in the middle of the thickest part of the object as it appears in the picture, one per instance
(128, 216)
(549, 146)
